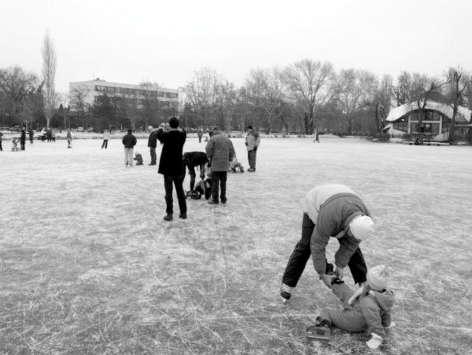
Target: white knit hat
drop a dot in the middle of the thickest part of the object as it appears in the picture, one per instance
(376, 278)
(362, 227)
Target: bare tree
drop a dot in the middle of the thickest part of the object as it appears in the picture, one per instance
(264, 92)
(78, 101)
(354, 90)
(49, 75)
(202, 91)
(458, 83)
(310, 83)
(16, 86)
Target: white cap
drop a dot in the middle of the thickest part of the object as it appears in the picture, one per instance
(376, 278)
(362, 227)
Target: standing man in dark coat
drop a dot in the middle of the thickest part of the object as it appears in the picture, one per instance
(191, 161)
(23, 138)
(220, 152)
(152, 143)
(129, 141)
(172, 167)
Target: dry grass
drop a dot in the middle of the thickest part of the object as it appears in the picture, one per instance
(87, 265)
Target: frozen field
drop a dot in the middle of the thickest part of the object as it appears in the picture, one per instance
(88, 266)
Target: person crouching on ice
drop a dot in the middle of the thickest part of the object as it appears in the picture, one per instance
(367, 309)
(336, 211)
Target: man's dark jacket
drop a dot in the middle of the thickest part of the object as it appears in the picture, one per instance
(193, 159)
(152, 141)
(171, 162)
(129, 141)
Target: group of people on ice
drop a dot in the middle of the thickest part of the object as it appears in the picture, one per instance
(330, 211)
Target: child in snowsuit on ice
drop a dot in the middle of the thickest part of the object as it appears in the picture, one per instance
(139, 158)
(235, 166)
(367, 309)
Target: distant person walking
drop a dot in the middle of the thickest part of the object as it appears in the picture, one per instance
(171, 165)
(220, 152)
(106, 137)
(129, 141)
(252, 143)
(23, 139)
(69, 139)
(31, 135)
(152, 144)
(1, 135)
(200, 135)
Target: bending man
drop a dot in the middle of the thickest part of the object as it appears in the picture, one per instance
(191, 161)
(330, 211)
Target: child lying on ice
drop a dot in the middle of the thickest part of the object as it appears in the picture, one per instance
(367, 309)
(235, 166)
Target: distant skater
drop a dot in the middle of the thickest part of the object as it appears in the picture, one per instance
(200, 135)
(31, 135)
(23, 139)
(1, 135)
(152, 144)
(252, 143)
(106, 138)
(69, 139)
(129, 141)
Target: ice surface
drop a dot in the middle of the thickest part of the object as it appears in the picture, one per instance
(88, 265)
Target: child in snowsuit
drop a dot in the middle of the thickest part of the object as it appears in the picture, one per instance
(139, 158)
(367, 309)
(235, 166)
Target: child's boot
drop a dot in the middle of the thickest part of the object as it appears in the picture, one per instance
(375, 341)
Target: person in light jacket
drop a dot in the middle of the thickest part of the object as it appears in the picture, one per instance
(330, 210)
(220, 152)
(252, 143)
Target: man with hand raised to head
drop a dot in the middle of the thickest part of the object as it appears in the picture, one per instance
(171, 165)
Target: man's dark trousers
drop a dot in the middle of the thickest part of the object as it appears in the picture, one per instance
(301, 254)
(251, 158)
(218, 181)
(152, 151)
(178, 182)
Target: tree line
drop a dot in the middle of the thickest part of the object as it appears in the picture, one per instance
(310, 97)
(306, 97)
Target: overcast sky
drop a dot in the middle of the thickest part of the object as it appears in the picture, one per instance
(165, 41)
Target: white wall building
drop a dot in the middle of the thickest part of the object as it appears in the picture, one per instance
(86, 92)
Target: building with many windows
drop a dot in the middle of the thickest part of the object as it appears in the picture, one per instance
(84, 93)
